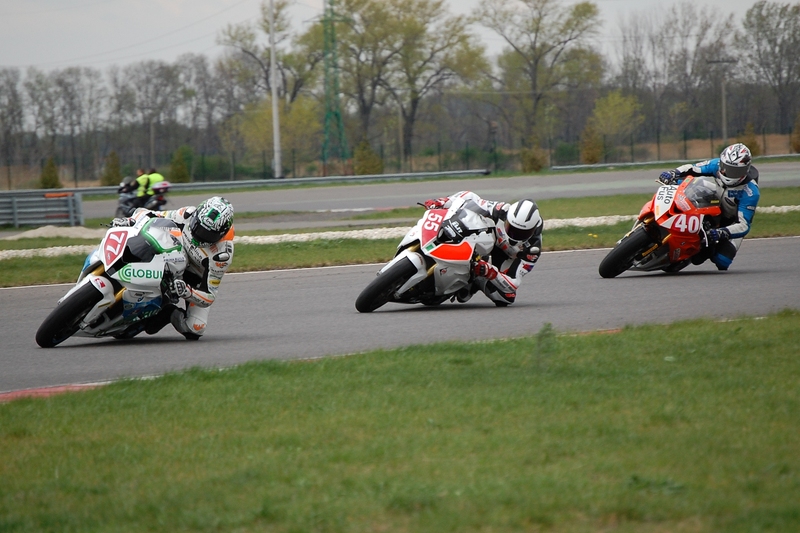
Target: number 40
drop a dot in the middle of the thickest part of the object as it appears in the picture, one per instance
(687, 224)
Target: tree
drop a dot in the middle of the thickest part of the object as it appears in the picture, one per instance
(11, 117)
(178, 169)
(750, 140)
(112, 173)
(435, 48)
(614, 119)
(664, 59)
(368, 45)
(300, 128)
(365, 160)
(770, 44)
(49, 178)
(296, 68)
(540, 33)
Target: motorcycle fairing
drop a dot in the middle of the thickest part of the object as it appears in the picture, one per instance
(679, 211)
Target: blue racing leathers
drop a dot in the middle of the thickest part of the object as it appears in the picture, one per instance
(738, 208)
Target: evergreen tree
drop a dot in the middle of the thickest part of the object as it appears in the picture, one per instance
(49, 178)
(112, 173)
(178, 170)
(750, 139)
(366, 161)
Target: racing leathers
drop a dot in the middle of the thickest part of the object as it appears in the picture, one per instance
(206, 265)
(738, 206)
(508, 261)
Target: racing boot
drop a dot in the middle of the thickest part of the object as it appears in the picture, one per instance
(158, 322)
(178, 319)
(465, 293)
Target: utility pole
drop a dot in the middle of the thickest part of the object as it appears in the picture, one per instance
(277, 167)
(334, 139)
(724, 103)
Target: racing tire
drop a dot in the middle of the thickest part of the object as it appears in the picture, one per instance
(621, 257)
(65, 319)
(380, 290)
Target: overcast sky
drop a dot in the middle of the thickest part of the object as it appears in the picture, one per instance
(53, 34)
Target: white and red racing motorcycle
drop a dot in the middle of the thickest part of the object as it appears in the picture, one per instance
(123, 285)
(433, 261)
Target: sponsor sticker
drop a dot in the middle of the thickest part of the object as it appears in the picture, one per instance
(129, 273)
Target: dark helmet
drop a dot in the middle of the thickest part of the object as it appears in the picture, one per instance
(210, 222)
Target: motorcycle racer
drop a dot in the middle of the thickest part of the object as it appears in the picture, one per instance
(734, 172)
(517, 230)
(207, 240)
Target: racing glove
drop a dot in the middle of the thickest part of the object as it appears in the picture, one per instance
(714, 235)
(483, 269)
(181, 289)
(122, 222)
(437, 203)
(670, 177)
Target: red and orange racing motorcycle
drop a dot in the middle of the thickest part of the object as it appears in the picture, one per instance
(670, 229)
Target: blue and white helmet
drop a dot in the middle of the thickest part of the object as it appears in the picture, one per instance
(734, 164)
(210, 222)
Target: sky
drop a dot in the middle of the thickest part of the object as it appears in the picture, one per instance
(55, 34)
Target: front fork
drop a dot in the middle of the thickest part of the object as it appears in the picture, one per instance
(658, 240)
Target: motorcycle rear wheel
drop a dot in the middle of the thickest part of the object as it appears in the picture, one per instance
(380, 290)
(65, 319)
(621, 257)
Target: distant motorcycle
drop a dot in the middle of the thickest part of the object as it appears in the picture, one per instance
(433, 261)
(127, 196)
(124, 284)
(670, 229)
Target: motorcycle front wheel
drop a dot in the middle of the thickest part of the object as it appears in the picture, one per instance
(65, 319)
(380, 290)
(621, 257)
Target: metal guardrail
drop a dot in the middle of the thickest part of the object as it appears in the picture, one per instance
(51, 208)
(242, 184)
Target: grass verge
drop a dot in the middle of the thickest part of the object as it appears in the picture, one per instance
(64, 269)
(688, 427)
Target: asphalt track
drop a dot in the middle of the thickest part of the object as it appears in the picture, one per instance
(310, 313)
(409, 193)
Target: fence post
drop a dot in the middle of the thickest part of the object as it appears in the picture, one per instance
(685, 147)
(633, 159)
(711, 141)
(14, 211)
(658, 145)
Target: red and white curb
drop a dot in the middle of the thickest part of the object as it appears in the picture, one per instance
(44, 392)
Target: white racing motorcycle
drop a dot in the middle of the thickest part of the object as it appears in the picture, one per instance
(433, 261)
(124, 284)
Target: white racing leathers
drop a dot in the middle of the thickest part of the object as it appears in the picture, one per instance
(205, 267)
(512, 261)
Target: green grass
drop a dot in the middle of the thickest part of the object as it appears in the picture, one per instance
(65, 269)
(690, 427)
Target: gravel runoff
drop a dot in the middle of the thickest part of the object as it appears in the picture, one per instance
(377, 233)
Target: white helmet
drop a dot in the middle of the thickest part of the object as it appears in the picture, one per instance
(522, 221)
(734, 164)
(210, 222)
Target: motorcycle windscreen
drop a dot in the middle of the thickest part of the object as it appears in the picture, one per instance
(702, 192)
